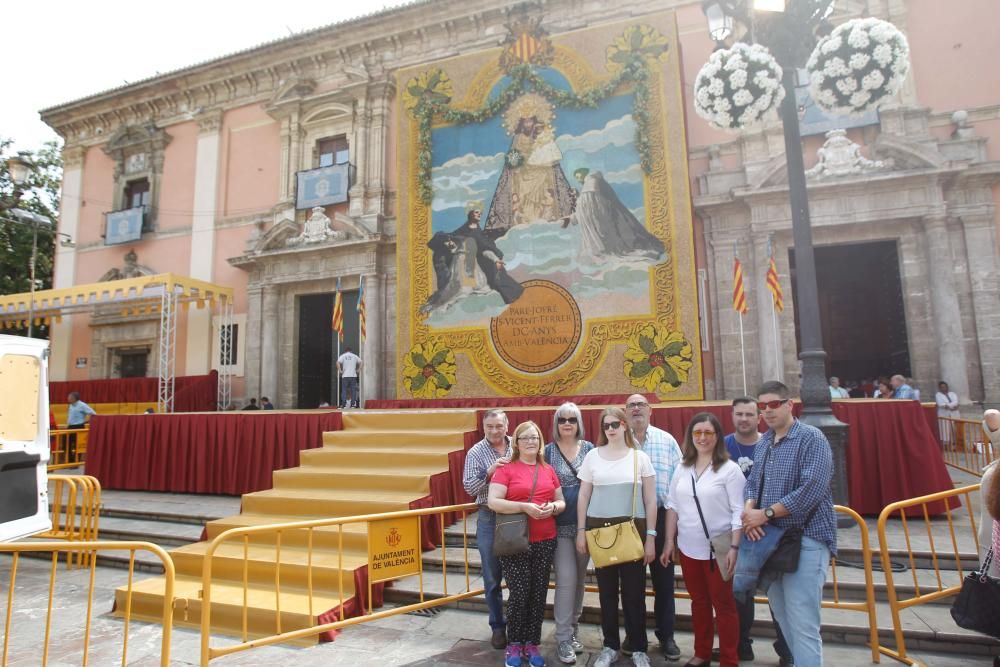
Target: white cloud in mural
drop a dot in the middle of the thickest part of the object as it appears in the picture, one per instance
(631, 175)
(455, 181)
(617, 132)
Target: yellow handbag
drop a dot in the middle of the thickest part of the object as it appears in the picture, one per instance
(620, 542)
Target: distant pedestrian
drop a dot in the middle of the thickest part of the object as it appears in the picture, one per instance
(265, 403)
(252, 405)
(76, 418)
(349, 365)
(900, 389)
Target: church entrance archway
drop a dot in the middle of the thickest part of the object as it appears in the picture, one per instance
(318, 346)
(861, 310)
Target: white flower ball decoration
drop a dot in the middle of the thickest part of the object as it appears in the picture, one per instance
(738, 87)
(858, 67)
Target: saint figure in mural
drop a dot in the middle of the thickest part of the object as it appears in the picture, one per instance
(532, 185)
(607, 227)
(468, 261)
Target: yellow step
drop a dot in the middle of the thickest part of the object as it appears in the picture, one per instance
(328, 567)
(324, 502)
(366, 457)
(317, 477)
(355, 535)
(424, 440)
(410, 420)
(227, 605)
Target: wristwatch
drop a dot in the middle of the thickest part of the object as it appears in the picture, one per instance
(769, 513)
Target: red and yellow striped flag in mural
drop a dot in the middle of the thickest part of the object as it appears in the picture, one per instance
(338, 312)
(775, 286)
(525, 47)
(362, 328)
(739, 294)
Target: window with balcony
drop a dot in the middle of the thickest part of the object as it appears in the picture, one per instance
(333, 151)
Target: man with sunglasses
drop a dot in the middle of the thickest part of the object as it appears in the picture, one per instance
(663, 451)
(742, 445)
(789, 487)
(481, 461)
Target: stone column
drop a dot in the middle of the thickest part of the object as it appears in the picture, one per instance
(269, 342)
(252, 338)
(769, 348)
(372, 368)
(359, 159)
(944, 305)
(197, 360)
(984, 273)
(64, 275)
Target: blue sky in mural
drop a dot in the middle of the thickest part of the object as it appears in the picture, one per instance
(467, 159)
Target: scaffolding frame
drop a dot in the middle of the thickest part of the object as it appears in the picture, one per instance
(165, 292)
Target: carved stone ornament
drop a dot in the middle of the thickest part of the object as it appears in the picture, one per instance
(131, 269)
(316, 230)
(840, 156)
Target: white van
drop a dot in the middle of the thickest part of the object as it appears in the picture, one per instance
(24, 437)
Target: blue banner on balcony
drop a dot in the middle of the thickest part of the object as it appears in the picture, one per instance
(123, 226)
(323, 186)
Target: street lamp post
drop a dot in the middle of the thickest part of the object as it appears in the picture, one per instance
(788, 28)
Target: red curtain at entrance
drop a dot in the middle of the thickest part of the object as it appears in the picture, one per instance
(192, 393)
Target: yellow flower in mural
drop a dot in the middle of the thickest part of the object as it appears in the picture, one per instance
(429, 370)
(642, 42)
(432, 85)
(657, 360)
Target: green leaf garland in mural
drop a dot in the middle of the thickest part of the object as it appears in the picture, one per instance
(629, 59)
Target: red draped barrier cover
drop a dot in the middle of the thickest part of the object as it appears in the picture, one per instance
(222, 453)
(192, 393)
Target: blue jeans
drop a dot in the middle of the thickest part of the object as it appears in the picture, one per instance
(795, 600)
(492, 575)
(349, 391)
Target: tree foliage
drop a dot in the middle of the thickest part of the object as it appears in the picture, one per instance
(39, 195)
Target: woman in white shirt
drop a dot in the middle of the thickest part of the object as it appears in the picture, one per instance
(616, 476)
(707, 474)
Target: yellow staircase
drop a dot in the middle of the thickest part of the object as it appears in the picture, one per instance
(381, 461)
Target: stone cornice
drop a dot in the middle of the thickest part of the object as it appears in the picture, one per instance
(368, 49)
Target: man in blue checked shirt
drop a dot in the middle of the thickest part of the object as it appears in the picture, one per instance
(662, 449)
(789, 487)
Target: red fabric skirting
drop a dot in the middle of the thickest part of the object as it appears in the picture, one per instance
(220, 453)
(192, 393)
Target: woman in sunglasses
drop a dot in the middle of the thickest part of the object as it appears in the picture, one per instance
(528, 485)
(565, 454)
(612, 477)
(706, 501)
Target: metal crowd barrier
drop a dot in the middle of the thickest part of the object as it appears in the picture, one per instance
(68, 448)
(296, 529)
(936, 542)
(74, 503)
(964, 445)
(90, 548)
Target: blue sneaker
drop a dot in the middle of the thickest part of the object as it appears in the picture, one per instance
(533, 655)
(513, 655)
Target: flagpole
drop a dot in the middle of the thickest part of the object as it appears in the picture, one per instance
(779, 367)
(361, 343)
(743, 356)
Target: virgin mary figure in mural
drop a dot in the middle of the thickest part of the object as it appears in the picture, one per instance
(532, 185)
(607, 227)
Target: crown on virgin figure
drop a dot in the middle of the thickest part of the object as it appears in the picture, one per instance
(476, 205)
(528, 105)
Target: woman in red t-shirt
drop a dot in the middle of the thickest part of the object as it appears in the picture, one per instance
(527, 574)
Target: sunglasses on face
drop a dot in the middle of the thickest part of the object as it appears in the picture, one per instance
(566, 420)
(636, 404)
(771, 405)
(610, 426)
(703, 434)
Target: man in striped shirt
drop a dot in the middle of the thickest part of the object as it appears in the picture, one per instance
(481, 462)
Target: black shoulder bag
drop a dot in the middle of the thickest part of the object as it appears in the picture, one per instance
(977, 606)
(570, 493)
(785, 558)
(510, 536)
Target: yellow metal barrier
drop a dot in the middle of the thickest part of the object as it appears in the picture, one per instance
(964, 445)
(74, 503)
(274, 532)
(947, 563)
(68, 448)
(90, 548)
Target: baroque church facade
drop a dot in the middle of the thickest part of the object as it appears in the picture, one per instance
(221, 157)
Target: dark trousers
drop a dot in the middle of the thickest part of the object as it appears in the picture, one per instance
(71, 442)
(746, 612)
(527, 577)
(628, 579)
(663, 583)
